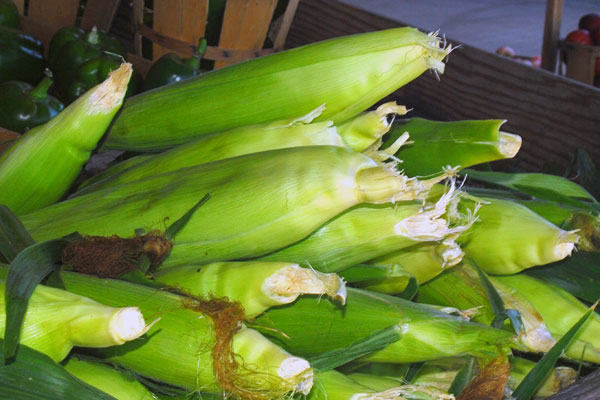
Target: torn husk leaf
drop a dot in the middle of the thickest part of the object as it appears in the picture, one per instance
(367, 129)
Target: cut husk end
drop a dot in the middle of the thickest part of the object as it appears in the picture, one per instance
(290, 282)
(128, 324)
(565, 244)
(509, 144)
(109, 93)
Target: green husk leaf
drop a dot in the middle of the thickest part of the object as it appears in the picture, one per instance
(538, 373)
(35, 376)
(26, 271)
(498, 305)
(586, 171)
(178, 225)
(335, 358)
(463, 378)
(14, 238)
(411, 289)
(535, 184)
(412, 371)
(578, 275)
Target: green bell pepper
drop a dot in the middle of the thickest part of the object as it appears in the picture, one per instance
(9, 15)
(74, 33)
(23, 106)
(172, 68)
(82, 62)
(21, 57)
(95, 71)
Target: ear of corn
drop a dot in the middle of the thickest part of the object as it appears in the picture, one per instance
(347, 74)
(118, 384)
(247, 215)
(508, 238)
(425, 333)
(435, 144)
(464, 279)
(256, 285)
(59, 148)
(560, 310)
(217, 146)
(57, 320)
(366, 232)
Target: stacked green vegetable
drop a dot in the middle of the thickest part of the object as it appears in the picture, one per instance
(262, 194)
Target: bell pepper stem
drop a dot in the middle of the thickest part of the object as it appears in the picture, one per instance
(194, 61)
(41, 90)
(93, 36)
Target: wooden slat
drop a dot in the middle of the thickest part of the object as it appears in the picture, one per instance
(245, 25)
(554, 9)
(140, 64)
(187, 49)
(20, 6)
(6, 138)
(99, 13)
(138, 20)
(52, 15)
(286, 24)
(553, 114)
(180, 19)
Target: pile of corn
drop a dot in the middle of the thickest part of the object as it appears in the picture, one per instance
(268, 240)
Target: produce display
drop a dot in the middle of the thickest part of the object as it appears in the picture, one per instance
(588, 34)
(278, 230)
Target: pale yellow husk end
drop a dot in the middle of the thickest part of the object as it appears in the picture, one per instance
(109, 93)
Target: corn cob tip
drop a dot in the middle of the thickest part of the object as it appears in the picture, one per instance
(109, 93)
(509, 144)
(291, 281)
(128, 324)
(298, 370)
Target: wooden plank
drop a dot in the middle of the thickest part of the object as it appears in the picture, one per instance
(20, 6)
(554, 9)
(180, 19)
(286, 23)
(140, 64)
(138, 20)
(7, 138)
(553, 114)
(187, 49)
(99, 13)
(52, 15)
(245, 25)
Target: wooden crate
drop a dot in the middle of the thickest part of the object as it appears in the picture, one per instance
(580, 61)
(43, 18)
(178, 25)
